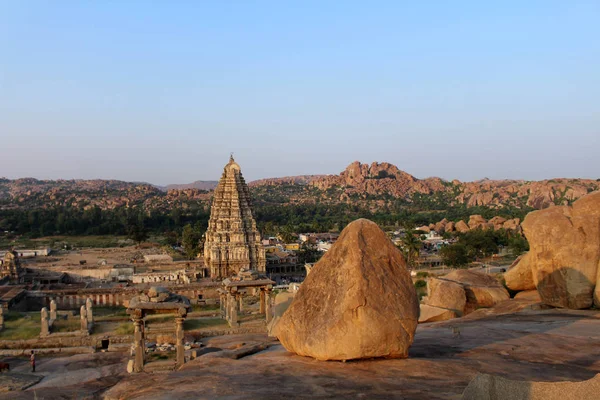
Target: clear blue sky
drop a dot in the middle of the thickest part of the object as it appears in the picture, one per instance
(162, 91)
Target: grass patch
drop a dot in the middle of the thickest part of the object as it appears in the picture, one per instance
(66, 325)
(205, 307)
(421, 287)
(109, 313)
(125, 328)
(21, 326)
(203, 323)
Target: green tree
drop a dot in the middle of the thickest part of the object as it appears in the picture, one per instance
(190, 240)
(517, 244)
(411, 247)
(455, 255)
(138, 233)
(308, 253)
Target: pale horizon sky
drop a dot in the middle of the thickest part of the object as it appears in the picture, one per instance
(162, 92)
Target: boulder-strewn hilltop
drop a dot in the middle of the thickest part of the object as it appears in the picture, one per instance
(385, 178)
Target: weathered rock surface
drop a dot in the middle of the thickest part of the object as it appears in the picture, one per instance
(477, 222)
(550, 345)
(433, 314)
(358, 302)
(564, 256)
(520, 276)
(281, 304)
(482, 290)
(446, 294)
(461, 226)
(532, 295)
(489, 387)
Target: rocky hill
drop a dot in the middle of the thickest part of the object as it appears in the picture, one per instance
(385, 182)
(377, 187)
(200, 185)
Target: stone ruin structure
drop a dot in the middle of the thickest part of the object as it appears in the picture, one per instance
(45, 329)
(235, 288)
(11, 267)
(232, 239)
(158, 301)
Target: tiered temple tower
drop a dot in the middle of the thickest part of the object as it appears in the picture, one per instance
(11, 266)
(232, 241)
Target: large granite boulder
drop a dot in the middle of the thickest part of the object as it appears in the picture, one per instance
(446, 294)
(490, 387)
(482, 290)
(358, 302)
(477, 222)
(461, 226)
(564, 254)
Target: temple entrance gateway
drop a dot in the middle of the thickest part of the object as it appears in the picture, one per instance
(158, 301)
(232, 239)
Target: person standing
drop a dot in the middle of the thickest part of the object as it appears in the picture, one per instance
(32, 361)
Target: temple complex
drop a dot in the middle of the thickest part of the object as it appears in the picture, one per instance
(10, 266)
(232, 241)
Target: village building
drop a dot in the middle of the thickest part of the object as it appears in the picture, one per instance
(232, 241)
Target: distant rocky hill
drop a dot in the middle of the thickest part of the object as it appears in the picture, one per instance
(201, 185)
(384, 182)
(378, 187)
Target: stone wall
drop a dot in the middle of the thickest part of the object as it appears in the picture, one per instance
(115, 297)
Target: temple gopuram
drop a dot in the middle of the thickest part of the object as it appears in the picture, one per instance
(232, 241)
(10, 267)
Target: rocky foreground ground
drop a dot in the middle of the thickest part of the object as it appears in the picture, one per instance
(512, 340)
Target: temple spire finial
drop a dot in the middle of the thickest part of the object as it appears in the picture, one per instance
(231, 157)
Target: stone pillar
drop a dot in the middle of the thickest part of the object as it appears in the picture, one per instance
(139, 345)
(233, 318)
(268, 313)
(240, 299)
(227, 306)
(1, 318)
(52, 309)
(179, 334)
(45, 330)
(222, 304)
(262, 302)
(88, 309)
(84, 320)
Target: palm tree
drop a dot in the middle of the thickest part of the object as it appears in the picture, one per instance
(411, 247)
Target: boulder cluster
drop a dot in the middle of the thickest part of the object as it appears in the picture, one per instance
(475, 222)
(460, 293)
(358, 301)
(563, 263)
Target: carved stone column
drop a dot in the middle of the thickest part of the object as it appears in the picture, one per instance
(262, 301)
(45, 329)
(240, 299)
(84, 320)
(179, 335)
(139, 343)
(233, 318)
(268, 315)
(52, 309)
(88, 307)
(227, 306)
